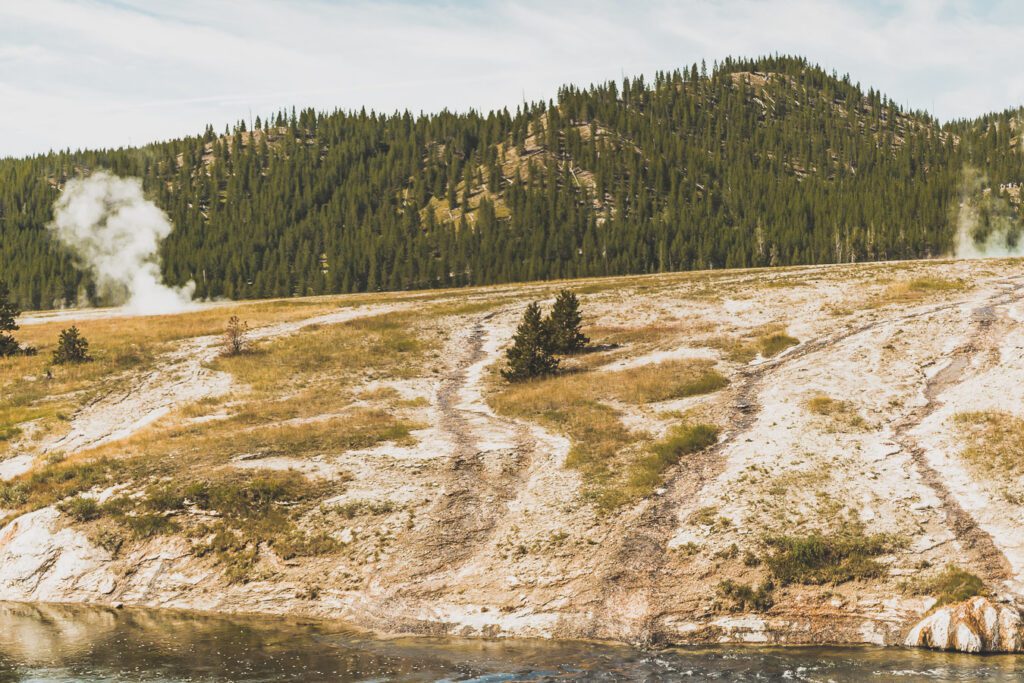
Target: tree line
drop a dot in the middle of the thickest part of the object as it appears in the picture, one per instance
(763, 162)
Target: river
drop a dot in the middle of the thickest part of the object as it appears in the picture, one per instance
(49, 643)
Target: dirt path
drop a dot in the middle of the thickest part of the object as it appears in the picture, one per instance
(481, 473)
(986, 557)
(638, 568)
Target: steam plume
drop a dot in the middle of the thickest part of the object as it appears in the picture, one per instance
(987, 225)
(115, 232)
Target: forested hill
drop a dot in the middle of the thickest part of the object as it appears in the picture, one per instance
(753, 163)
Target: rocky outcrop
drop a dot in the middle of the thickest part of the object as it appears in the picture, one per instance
(39, 561)
(975, 625)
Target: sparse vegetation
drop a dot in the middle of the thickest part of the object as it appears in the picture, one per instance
(833, 558)
(733, 349)
(53, 483)
(645, 473)
(917, 289)
(935, 284)
(236, 336)
(614, 461)
(665, 381)
(83, 509)
(843, 413)
(994, 443)
(741, 597)
(771, 345)
(951, 585)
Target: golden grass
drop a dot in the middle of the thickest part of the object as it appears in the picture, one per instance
(663, 381)
(166, 450)
(842, 413)
(385, 344)
(767, 340)
(615, 463)
(916, 290)
(733, 349)
(771, 345)
(994, 443)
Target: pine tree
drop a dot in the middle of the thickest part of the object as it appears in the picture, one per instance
(530, 355)
(8, 312)
(72, 347)
(564, 324)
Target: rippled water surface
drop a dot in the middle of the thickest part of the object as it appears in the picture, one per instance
(54, 643)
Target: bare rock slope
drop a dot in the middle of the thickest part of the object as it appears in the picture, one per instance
(863, 469)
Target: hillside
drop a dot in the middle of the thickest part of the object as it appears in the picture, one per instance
(766, 162)
(815, 455)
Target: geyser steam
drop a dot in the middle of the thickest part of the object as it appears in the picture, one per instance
(116, 232)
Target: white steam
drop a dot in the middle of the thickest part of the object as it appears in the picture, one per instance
(116, 232)
(998, 235)
(968, 247)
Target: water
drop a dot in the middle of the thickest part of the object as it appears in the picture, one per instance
(54, 643)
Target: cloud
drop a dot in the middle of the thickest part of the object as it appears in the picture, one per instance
(106, 73)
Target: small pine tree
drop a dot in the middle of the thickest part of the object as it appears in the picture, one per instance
(72, 347)
(236, 339)
(530, 355)
(564, 323)
(8, 312)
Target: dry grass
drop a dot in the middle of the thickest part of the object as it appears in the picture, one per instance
(734, 349)
(843, 414)
(646, 473)
(616, 464)
(28, 395)
(55, 482)
(599, 439)
(168, 449)
(664, 381)
(768, 341)
(771, 345)
(994, 443)
(916, 290)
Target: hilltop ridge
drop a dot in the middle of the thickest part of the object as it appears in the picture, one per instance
(755, 162)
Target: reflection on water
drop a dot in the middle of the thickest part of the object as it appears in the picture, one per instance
(47, 643)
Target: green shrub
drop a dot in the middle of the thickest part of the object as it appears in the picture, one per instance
(164, 499)
(819, 559)
(742, 597)
(81, 508)
(232, 551)
(951, 585)
(149, 525)
(240, 498)
(56, 482)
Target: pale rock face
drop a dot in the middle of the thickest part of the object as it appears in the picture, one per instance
(40, 562)
(975, 625)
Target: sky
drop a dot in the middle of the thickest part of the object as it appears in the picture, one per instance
(110, 73)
